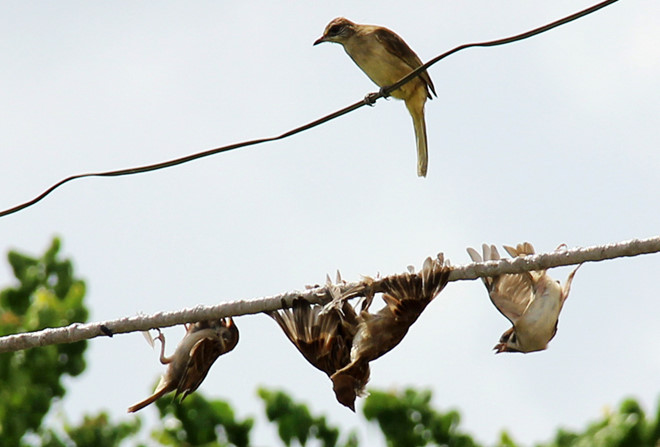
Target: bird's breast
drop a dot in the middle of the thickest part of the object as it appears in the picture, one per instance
(381, 66)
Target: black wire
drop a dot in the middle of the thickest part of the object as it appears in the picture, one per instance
(178, 161)
(368, 100)
(385, 91)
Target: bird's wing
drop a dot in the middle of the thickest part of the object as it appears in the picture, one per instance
(490, 254)
(202, 356)
(511, 294)
(407, 295)
(399, 48)
(320, 337)
(524, 249)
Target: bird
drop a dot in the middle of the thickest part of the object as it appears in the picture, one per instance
(406, 296)
(203, 343)
(325, 340)
(531, 301)
(385, 58)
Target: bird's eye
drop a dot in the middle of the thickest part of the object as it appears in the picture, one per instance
(335, 29)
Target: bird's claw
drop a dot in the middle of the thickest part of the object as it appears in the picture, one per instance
(371, 98)
(383, 93)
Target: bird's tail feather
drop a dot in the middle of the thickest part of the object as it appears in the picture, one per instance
(417, 112)
(149, 400)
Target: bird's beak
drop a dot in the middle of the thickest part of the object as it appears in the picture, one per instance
(319, 40)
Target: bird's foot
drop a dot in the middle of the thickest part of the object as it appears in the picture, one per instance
(371, 98)
(160, 336)
(383, 93)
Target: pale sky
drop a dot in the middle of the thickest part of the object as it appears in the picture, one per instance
(551, 140)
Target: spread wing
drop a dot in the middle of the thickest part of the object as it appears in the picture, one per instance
(523, 249)
(324, 339)
(407, 295)
(399, 48)
(510, 293)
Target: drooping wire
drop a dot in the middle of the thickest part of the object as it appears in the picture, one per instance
(368, 100)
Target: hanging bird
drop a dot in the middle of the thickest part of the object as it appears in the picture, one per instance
(385, 58)
(325, 340)
(203, 343)
(406, 296)
(531, 301)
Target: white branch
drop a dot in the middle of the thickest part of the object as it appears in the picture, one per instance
(80, 331)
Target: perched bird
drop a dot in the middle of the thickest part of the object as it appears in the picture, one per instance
(203, 343)
(386, 59)
(325, 340)
(531, 301)
(406, 296)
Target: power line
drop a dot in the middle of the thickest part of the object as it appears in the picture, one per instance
(541, 261)
(368, 100)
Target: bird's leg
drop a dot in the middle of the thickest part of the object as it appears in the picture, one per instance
(339, 298)
(370, 98)
(382, 92)
(164, 360)
(368, 292)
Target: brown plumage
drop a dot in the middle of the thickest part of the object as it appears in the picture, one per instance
(405, 296)
(386, 58)
(203, 343)
(531, 301)
(324, 338)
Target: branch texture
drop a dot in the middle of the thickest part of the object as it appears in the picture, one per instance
(84, 331)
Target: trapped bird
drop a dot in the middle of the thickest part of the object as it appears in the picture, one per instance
(203, 343)
(325, 340)
(386, 58)
(531, 301)
(406, 296)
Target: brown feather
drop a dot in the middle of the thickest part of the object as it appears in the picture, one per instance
(203, 343)
(399, 48)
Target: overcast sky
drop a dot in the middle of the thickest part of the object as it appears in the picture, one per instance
(551, 140)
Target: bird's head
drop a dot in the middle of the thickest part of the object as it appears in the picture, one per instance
(338, 31)
(344, 387)
(508, 343)
(228, 333)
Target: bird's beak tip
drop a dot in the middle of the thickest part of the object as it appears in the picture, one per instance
(319, 40)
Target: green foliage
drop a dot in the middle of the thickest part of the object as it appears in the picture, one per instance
(506, 440)
(406, 418)
(47, 295)
(97, 431)
(629, 427)
(93, 431)
(295, 422)
(200, 422)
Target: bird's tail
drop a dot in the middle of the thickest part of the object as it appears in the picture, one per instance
(416, 109)
(149, 400)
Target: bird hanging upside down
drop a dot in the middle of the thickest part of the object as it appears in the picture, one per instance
(406, 296)
(531, 301)
(203, 343)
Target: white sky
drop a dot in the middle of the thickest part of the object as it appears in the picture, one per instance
(552, 140)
